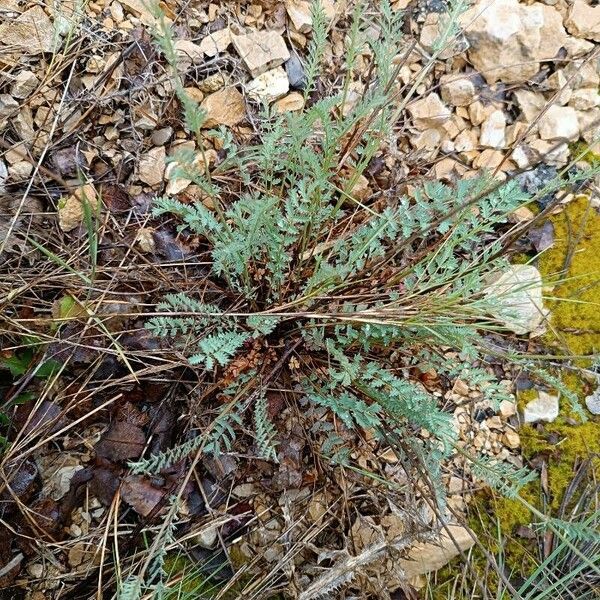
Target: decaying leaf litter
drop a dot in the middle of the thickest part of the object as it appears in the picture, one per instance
(89, 124)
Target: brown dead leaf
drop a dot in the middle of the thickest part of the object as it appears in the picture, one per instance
(22, 483)
(140, 494)
(46, 419)
(121, 442)
(115, 198)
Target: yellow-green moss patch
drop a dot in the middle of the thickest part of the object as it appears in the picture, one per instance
(574, 263)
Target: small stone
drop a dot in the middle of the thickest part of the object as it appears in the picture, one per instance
(295, 72)
(530, 103)
(493, 130)
(494, 423)
(140, 9)
(390, 456)
(478, 113)
(593, 400)
(551, 153)
(456, 90)
(456, 485)
(213, 83)
(290, 103)
(152, 165)
(261, 50)
(432, 30)
(508, 39)
(194, 93)
(543, 408)
(300, 14)
(589, 125)
(577, 48)
(269, 86)
(24, 126)
(583, 20)
(430, 139)
(489, 159)
(511, 439)
(507, 409)
(361, 190)
(225, 107)
(582, 74)
(465, 141)
(461, 388)
(207, 537)
(25, 83)
(523, 156)
(161, 136)
(20, 170)
(36, 570)
(559, 123)
(70, 209)
(521, 215)
(8, 106)
(245, 490)
(188, 54)
(425, 557)
(145, 239)
(517, 299)
(175, 185)
(585, 99)
(216, 42)
(429, 112)
(31, 31)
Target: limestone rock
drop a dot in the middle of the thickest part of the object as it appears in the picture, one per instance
(511, 439)
(576, 47)
(559, 123)
(269, 86)
(593, 400)
(530, 103)
(425, 557)
(516, 297)
(25, 82)
(261, 50)
(20, 171)
(140, 9)
(508, 40)
(465, 141)
(543, 408)
(582, 74)
(161, 136)
(493, 130)
(507, 408)
(8, 106)
(429, 112)
(225, 107)
(31, 31)
(290, 103)
(583, 20)
(434, 27)
(585, 99)
(70, 209)
(523, 156)
(299, 12)
(216, 42)
(188, 54)
(456, 90)
(213, 83)
(551, 153)
(589, 124)
(152, 166)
